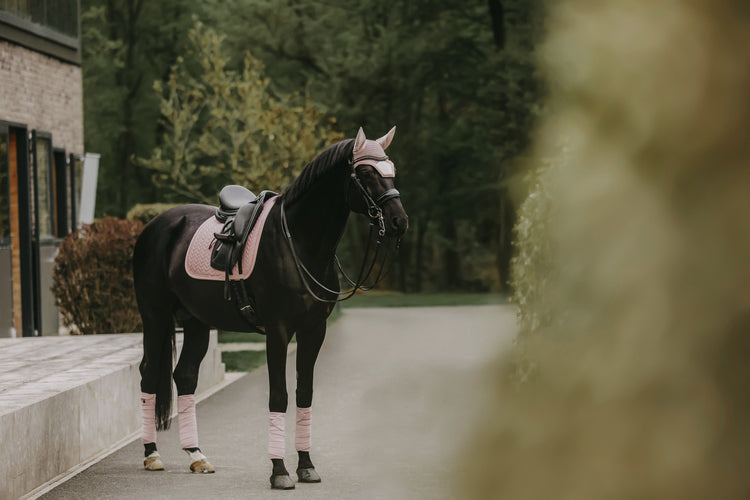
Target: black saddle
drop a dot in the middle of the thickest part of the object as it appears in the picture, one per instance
(231, 198)
(239, 210)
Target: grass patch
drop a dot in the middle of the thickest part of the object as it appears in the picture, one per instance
(384, 299)
(243, 361)
(425, 299)
(227, 337)
(230, 337)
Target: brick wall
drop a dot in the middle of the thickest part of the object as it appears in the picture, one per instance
(43, 93)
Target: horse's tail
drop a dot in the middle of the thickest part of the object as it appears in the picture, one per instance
(164, 388)
(156, 304)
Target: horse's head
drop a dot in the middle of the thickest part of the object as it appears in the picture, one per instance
(372, 191)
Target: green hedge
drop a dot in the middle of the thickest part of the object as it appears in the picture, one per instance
(143, 213)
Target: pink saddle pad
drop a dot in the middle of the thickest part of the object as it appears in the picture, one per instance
(198, 258)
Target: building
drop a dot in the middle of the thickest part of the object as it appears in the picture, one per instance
(41, 142)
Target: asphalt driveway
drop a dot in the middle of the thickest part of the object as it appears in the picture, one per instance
(395, 395)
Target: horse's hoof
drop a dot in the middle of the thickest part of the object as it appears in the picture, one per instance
(282, 482)
(202, 466)
(308, 475)
(153, 462)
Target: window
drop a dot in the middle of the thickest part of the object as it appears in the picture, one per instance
(76, 184)
(48, 26)
(58, 15)
(44, 185)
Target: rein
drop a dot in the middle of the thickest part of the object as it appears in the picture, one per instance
(375, 212)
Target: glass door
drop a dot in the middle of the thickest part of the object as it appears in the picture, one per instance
(17, 292)
(44, 246)
(6, 252)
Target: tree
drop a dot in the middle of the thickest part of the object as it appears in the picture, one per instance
(457, 77)
(223, 125)
(125, 45)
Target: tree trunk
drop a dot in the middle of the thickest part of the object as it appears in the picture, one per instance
(404, 277)
(132, 81)
(497, 20)
(505, 240)
(419, 254)
(451, 258)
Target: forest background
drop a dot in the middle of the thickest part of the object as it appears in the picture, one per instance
(181, 98)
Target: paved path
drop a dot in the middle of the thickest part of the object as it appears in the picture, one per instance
(395, 396)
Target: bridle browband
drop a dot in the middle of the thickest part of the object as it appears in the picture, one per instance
(375, 213)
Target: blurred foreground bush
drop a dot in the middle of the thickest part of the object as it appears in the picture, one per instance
(93, 278)
(641, 344)
(144, 212)
(531, 265)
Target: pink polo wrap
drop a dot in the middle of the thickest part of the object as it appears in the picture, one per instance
(148, 420)
(303, 432)
(188, 422)
(276, 447)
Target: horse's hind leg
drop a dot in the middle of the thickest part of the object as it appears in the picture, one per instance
(308, 347)
(194, 348)
(156, 380)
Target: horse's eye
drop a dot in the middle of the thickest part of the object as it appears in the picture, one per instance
(366, 173)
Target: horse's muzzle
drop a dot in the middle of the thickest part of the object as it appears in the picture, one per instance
(399, 224)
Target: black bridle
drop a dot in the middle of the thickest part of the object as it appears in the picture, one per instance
(375, 213)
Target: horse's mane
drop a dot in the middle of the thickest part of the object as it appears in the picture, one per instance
(327, 161)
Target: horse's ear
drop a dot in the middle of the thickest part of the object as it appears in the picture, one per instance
(385, 141)
(359, 141)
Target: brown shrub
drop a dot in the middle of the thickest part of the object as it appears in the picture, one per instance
(93, 278)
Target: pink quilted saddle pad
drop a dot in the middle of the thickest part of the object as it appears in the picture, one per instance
(198, 258)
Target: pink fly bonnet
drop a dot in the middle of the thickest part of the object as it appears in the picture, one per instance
(368, 152)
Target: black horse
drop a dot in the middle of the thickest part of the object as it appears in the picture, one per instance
(300, 236)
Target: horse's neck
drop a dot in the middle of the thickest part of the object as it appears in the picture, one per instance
(317, 222)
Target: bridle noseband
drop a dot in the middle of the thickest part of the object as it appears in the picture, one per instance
(375, 213)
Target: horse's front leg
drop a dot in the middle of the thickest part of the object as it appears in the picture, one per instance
(277, 341)
(194, 348)
(308, 347)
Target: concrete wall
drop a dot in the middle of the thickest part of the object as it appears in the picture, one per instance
(66, 400)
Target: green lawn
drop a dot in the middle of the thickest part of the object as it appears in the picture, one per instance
(243, 361)
(380, 299)
(424, 299)
(226, 337)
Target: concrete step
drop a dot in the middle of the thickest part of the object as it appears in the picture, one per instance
(64, 400)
